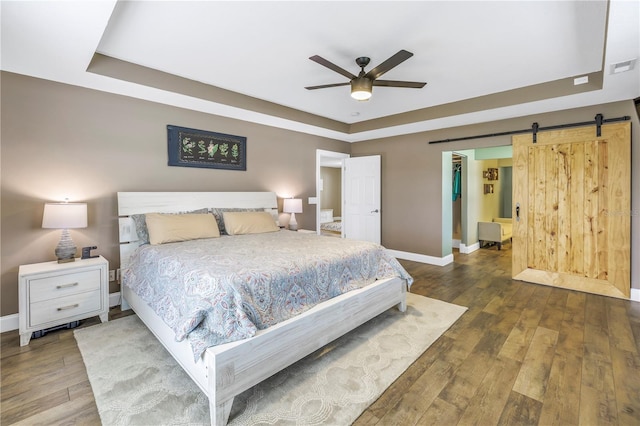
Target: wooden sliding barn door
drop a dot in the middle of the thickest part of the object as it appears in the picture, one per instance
(571, 195)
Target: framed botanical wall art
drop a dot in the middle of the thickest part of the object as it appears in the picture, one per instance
(201, 148)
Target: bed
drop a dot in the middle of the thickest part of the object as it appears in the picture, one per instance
(329, 224)
(226, 369)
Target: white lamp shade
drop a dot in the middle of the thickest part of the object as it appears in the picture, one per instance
(64, 215)
(292, 205)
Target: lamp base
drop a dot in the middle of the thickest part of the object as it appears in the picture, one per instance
(66, 248)
(293, 225)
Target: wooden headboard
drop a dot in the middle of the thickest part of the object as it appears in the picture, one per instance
(174, 202)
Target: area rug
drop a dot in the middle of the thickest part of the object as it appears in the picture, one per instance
(136, 382)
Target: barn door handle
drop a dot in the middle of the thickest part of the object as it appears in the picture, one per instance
(517, 212)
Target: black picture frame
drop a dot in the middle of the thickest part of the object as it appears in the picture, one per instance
(205, 149)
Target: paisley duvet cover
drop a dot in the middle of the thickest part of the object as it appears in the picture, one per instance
(218, 290)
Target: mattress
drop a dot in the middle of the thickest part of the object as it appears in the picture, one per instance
(218, 290)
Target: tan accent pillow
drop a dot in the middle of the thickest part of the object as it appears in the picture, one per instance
(238, 223)
(170, 228)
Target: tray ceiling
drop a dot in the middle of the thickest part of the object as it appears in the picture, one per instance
(482, 60)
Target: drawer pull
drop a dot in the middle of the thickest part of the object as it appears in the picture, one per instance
(64, 308)
(67, 285)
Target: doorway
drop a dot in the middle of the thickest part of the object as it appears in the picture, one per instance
(456, 199)
(329, 189)
(360, 195)
(330, 200)
(474, 202)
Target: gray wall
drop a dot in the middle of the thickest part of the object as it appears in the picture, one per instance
(412, 174)
(505, 191)
(62, 141)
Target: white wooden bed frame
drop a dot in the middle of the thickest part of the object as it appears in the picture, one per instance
(227, 370)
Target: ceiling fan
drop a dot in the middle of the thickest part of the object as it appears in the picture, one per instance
(361, 85)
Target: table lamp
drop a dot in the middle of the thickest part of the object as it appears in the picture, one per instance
(293, 206)
(65, 216)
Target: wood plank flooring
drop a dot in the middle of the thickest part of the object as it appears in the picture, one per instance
(523, 354)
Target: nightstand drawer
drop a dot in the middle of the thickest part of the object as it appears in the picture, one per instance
(52, 293)
(64, 307)
(63, 285)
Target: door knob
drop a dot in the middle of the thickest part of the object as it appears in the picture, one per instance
(374, 211)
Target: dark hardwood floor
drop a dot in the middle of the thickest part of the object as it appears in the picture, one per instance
(522, 354)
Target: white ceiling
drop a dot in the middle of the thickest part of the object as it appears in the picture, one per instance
(260, 49)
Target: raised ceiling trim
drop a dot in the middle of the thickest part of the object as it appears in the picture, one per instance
(127, 71)
(537, 92)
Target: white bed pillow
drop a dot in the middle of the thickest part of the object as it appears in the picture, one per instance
(239, 223)
(170, 228)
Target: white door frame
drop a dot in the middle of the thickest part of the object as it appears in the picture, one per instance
(321, 155)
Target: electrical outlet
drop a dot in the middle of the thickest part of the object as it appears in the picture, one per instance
(112, 275)
(118, 274)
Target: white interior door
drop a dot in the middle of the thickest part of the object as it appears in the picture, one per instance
(361, 198)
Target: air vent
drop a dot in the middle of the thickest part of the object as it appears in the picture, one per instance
(623, 66)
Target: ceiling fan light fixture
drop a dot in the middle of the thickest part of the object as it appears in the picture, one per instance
(362, 84)
(361, 88)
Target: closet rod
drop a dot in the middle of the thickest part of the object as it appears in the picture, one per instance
(535, 129)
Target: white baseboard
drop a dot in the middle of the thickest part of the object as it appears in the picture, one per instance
(635, 294)
(455, 243)
(422, 258)
(114, 299)
(465, 249)
(11, 322)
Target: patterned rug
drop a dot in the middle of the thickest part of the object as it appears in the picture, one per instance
(136, 382)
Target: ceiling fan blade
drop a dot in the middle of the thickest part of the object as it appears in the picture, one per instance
(392, 83)
(332, 66)
(324, 86)
(393, 61)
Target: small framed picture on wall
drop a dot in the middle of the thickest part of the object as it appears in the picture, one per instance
(201, 148)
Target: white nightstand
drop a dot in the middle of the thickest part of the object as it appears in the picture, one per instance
(53, 293)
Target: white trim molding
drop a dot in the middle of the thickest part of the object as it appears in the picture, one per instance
(114, 299)
(635, 294)
(422, 258)
(465, 249)
(9, 322)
